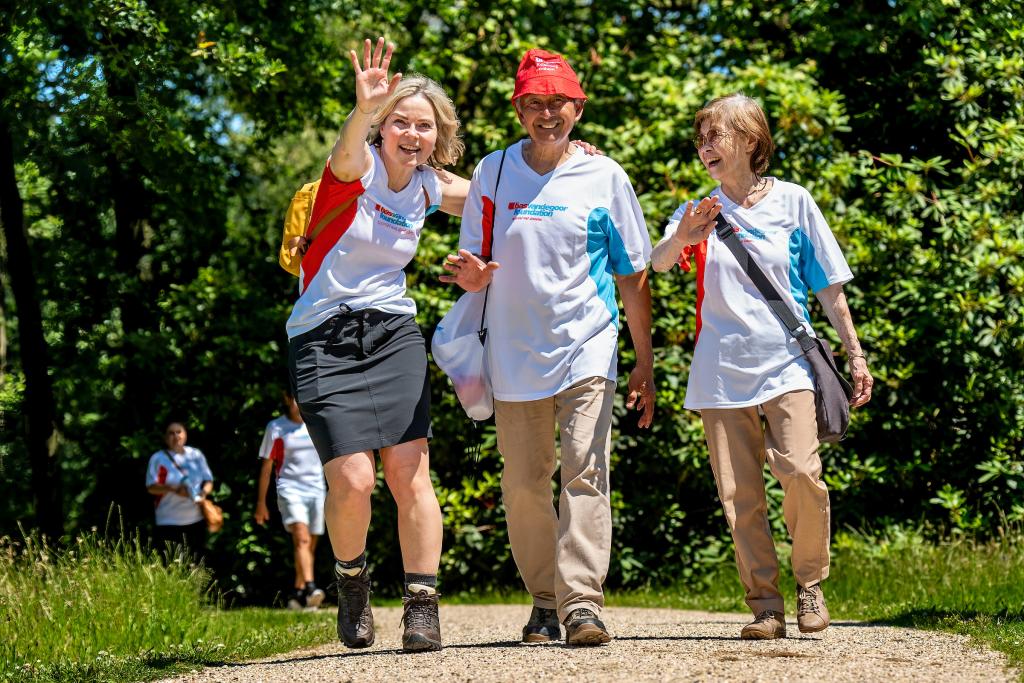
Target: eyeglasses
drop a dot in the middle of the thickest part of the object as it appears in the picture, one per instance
(540, 104)
(713, 136)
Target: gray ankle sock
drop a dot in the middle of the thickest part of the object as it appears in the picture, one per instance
(351, 567)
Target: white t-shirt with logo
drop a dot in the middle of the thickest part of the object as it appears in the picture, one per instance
(744, 354)
(359, 257)
(172, 509)
(296, 462)
(560, 238)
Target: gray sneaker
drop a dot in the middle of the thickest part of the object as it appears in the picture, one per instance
(314, 596)
(583, 628)
(543, 626)
(768, 625)
(355, 620)
(811, 612)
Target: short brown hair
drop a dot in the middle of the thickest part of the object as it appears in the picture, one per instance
(743, 115)
(448, 147)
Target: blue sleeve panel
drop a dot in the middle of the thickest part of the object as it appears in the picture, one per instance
(608, 257)
(805, 272)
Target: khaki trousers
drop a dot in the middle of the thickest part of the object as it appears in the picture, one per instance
(739, 446)
(562, 557)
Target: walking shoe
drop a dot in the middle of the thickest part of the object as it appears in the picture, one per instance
(768, 625)
(314, 596)
(811, 612)
(543, 626)
(355, 620)
(422, 623)
(297, 600)
(582, 627)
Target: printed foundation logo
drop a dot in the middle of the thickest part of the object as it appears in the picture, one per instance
(749, 234)
(394, 221)
(519, 209)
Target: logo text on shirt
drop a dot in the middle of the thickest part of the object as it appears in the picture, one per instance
(394, 221)
(542, 210)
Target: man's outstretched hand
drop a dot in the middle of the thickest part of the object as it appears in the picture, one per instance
(468, 271)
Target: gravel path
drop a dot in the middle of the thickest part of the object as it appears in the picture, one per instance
(650, 645)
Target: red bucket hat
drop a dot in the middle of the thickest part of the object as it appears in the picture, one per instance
(545, 73)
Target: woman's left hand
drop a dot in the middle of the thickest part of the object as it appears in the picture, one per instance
(862, 381)
(588, 148)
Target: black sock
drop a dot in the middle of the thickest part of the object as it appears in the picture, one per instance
(346, 566)
(422, 579)
(310, 587)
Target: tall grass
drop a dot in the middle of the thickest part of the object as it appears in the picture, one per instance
(98, 610)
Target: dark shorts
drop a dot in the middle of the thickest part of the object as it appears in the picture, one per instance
(361, 382)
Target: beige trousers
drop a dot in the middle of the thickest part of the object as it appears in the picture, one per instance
(739, 446)
(562, 556)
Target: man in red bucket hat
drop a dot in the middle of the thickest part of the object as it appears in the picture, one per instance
(566, 228)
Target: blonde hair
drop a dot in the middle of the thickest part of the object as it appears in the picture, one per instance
(743, 115)
(449, 147)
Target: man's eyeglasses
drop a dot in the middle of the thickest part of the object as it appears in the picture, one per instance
(539, 104)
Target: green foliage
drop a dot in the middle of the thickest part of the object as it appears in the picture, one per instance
(159, 143)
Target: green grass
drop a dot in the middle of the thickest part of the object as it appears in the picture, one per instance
(93, 613)
(958, 586)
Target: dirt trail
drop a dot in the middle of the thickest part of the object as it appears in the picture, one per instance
(481, 644)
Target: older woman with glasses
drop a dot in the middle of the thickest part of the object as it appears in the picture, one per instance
(749, 379)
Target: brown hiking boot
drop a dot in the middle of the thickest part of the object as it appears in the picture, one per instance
(355, 620)
(543, 626)
(422, 623)
(582, 627)
(768, 625)
(811, 612)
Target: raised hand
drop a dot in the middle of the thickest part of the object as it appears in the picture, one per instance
(470, 272)
(372, 83)
(697, 222)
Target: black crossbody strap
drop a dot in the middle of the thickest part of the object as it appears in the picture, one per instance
(482, 332)
(776, 301)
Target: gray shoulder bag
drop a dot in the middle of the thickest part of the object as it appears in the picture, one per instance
(832, 392)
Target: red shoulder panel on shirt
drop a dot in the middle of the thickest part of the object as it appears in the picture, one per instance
(331, 193)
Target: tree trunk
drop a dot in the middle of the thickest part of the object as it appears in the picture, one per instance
(40, 429)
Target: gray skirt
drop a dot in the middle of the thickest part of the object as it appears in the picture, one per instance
(361, 382)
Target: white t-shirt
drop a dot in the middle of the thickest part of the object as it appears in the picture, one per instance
(379, 233)
(744, 354)
(172, 509)
(296, 462)
(559, 238)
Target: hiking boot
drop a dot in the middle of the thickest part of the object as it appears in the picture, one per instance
(768, 625)
(422, 623)
(543, 626)
(314, 596)
(811, 612)
(582, 627)
(355, 620)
